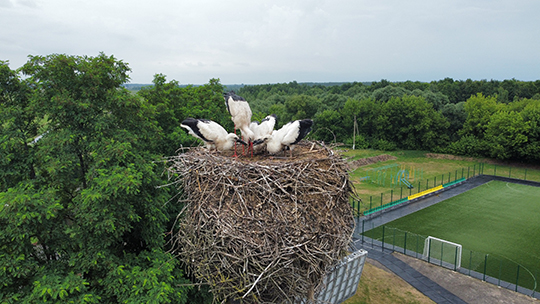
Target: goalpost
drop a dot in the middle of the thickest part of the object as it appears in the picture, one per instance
(443, 252)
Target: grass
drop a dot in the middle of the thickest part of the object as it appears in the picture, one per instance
(424, 173)
(497, 218)
(378, 286)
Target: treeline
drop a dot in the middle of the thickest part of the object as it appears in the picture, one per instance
(83, 214)
(497, 119)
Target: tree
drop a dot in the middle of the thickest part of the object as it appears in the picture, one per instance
(90, 226)
(328, 126)
(456, 116)
(174, 104)
(18, 129)
(412, 123)
(506, 134)
(479, 110)
(300, 107)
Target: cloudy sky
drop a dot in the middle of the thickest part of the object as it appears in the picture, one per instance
(259, 41)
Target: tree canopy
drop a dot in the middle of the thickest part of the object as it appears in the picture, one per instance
(82, 217)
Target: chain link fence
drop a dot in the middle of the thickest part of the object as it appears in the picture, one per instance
(497, 270)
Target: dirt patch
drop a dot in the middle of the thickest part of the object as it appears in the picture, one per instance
(452, 157)
(379, 285)
(369, 160)
(469, 289)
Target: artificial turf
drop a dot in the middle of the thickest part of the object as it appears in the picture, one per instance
(498, 218)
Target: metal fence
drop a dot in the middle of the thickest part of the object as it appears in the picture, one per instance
(400, 193)
(397, 195)
(493, 269)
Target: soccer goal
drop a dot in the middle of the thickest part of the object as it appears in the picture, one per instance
(442, 252)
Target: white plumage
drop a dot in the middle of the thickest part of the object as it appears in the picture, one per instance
(241, 113)
(286, 136)
(212, 133)
(264, 128)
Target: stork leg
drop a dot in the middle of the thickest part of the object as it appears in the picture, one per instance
(235, 155)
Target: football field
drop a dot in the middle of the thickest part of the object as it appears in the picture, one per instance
(497, 222)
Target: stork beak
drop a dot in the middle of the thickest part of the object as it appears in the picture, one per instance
(241, 141)
(258, 141)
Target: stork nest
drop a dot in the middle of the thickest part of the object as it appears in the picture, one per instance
(263, 229)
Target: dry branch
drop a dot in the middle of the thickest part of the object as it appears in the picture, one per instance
(262, 230)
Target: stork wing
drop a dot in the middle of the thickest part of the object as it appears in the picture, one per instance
(211, 130)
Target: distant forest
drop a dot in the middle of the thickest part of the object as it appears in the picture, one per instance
(481, 118)
(496, 119)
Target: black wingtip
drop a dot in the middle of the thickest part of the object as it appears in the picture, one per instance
(242, 142)
(258, 141)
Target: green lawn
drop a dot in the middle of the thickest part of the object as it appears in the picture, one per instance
(498, 218)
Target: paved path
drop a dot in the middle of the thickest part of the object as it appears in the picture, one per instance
(425, 285)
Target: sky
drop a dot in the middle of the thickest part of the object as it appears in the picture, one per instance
(279, 41)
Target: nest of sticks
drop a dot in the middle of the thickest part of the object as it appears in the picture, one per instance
(262, 229)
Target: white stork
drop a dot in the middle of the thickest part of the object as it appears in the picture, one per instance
(212, 133)
(241, 113)
(286, 136)
(264, 128)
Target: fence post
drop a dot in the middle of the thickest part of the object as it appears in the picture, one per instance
(470, 262)
(468, 169)
(455, 259)
(358, 206)
(442, 179)
(394, 241)
(500, 274)
(474, 170)
(370, 200)
(417, 245)
(418, 187)
(485, 267)
(363, 222)
(462, 170)
(455, 177)
(429, 251)
(435, 181)
(391, 195)
(372, 233)
(427, 183)
(383, 238)
(405, 244)
(381, 198)
(449, 176)
(517, 278)
(401, 195)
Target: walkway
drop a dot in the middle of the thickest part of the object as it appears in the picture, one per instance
(425, 285)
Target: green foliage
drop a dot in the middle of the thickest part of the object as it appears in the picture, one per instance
(174, 103)
(81, 218)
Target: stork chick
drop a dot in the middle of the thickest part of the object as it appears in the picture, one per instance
(241, 113)
(212, 133)
(287, 136)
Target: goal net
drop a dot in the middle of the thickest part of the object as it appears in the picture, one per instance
(442, 252)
